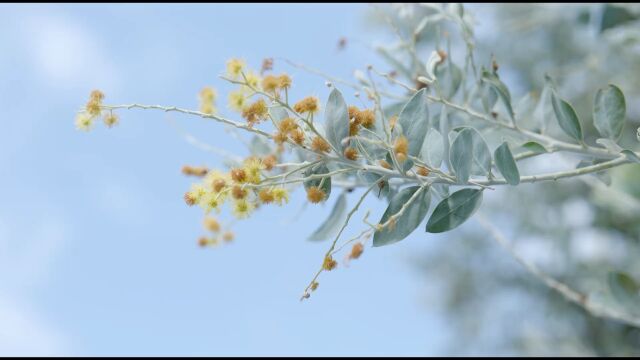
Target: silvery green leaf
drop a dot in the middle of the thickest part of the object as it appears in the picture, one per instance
(325, 181)
(260, 146)
(609, 109)
(506, 164)
(488, 97)
(543, 110)
(534, 147)
(454, 210)
(625, 291)
(278, 113)
(332, 224)
(461, 155)
(336, 119)
(609, 145)
(408, 221)
(524, 109)
(469, 154)
(405, 166)
(631, 156)
(567, 117)
(383, 185)
(414, 119)
(449, 78)
(433, 148)
(500, 89)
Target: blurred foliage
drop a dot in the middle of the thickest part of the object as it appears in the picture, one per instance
(576, 230)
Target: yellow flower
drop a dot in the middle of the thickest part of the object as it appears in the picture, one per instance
(253, 167)
(329, 264)
(235, 67)
(253, 79)
(310, 104)
(238, 99)
(242, 208)
(270, 83)
(315, 194)
(256, 112)
(280, 195)
(215, 180)
(110, 120)
(211, 224)
(284, 81)
(207, 99)
(197, 192)
(210, 201)
(84, 122)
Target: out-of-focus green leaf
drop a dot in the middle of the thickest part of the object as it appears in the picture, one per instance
(609, 109)
(332, 224)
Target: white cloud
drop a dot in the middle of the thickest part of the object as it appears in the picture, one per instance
(26, 257)
(22, 333)
(66, 53)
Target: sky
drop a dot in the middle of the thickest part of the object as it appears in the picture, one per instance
(98, 252)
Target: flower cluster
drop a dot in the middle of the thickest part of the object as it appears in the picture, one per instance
(216, 233)
(85, 119)
(242, 186)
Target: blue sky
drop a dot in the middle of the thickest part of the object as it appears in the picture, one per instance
(98, 252)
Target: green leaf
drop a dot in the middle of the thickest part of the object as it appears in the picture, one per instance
(566, 116)
(336, 119)
(278, 113)
(433, 148)
(260, 146)
(332, 224)
(323, 182)
(501, 90)
(414, 119)
(506, 164)
(454, 210)
(449, 77)
(469, 154)
(408, 221)
(461, 155)
(534, 147)
(609, 109)
(625, 291)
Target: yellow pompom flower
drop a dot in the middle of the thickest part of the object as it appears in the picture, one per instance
(310, 104)
(253, 80)
(84, 121)
(197, 192)
(235, 67)
(253, 167)
(280, 196)
(110, 120)
(216, 180)
(284, 81)
(237, 99)
(210, 201)
(207, 99)
(242, 208)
